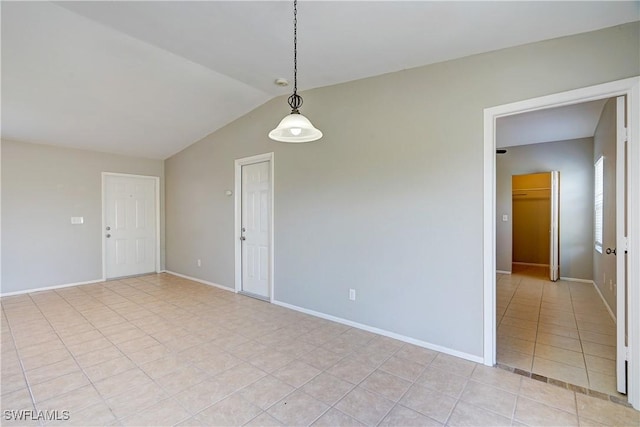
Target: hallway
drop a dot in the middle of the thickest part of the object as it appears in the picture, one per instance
(559, 330)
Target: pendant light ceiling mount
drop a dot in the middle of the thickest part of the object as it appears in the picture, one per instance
(295, 127)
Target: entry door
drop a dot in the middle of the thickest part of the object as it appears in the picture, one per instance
(129, 225)
(255, 232)
(554, 261)
(617, 237)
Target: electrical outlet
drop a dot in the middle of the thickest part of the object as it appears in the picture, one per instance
(199, 262)
(352, 294)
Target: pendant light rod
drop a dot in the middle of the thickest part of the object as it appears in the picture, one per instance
(295, 100)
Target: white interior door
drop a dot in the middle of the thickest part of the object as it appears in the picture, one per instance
(255, 233)
(620, 252)
(554, 252)
(130, 228)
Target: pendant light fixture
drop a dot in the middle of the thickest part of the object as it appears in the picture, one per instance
(295, 127)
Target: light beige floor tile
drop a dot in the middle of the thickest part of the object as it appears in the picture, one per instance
(400, 416)
(122, 382)
(272, 360)
(387, 385)
(531, 412)
(240, 375)
(135, 400)
(12, 382)
(597, 338)
(49, 372)
(559, 341)
(452, 364)
(442, 381)
(568, 357)
(364, 406)
(605, 412)
(600, 365)
(496, 377)
(58, 386)
(514, 331)
(603, 383)
(266, 391)
(298, 408)
(231, 411)
(604, 351)
(557, 397)
(217, 362)
(560, 371)
(516, 344)
(264, 420)
(335, 418)
(402, 368)
(296, 373)
(350, 370)
(109, 368)
(320, 358)
(16, 400)
(428, 402)
(548, 328)
(74, 401)
(167, 412)
(413, 353)
(98, 414)
(202, 395)
(515, 359)
(327, 388)
(467, 415)
(490, 398)
(519, 323)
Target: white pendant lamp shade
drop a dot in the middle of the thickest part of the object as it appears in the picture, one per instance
(295, 128)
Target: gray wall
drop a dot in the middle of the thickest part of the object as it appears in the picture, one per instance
(42, 187)
(604, 266)
(390, 201)
(574, 160)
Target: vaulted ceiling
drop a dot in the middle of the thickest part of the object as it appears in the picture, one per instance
(150, 78)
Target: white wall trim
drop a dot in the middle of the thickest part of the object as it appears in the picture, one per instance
(204, 282)
(606, 304)
(503, 272)
(573, 279)
(103, 207)
(629, 87)
(50, 288)
(383, 332)
(266, 157)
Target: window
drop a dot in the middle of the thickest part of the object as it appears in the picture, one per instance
(598, 202)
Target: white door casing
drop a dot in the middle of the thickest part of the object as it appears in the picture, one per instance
(554, 253)
(631, 89)
(620, 239)
(130, 226)
(254, 226)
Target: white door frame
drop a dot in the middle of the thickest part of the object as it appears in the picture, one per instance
(631, 88)
(156, 181)
(267, 157)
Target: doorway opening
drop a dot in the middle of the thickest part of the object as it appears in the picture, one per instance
(254, 226)
(629, 319)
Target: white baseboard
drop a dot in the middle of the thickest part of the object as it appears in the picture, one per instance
(530, 264)
(572, 279)
(503, 272)
(606, 304)
(204, 282)
(50, 288)
(383, 332)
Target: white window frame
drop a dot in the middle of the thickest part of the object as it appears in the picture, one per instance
(598, 203)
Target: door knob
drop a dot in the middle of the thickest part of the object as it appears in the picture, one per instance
(108, 235)
(108, 228)
(243, 238)
(610, 251)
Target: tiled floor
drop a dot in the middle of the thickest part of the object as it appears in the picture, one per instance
(161, 350)
(560, 330)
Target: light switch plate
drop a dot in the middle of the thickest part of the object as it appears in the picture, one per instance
(76, 220)
(505, 218)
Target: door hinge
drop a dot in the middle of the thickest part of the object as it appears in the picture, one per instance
(627, 353)
(626, 243)
(625, 134)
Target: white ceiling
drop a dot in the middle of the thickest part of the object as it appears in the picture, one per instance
(552, 124)
(150, 78)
